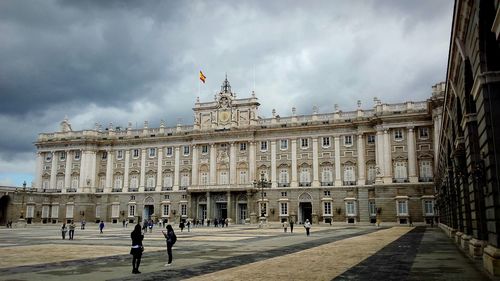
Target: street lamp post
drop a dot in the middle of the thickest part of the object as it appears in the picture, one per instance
(261, 184)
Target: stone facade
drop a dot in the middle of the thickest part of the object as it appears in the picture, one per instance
(468, 165)
(350, 167)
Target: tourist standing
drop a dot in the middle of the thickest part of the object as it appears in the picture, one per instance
(307, 226)
(123, 223)
(137, 248)
(63, 230)
(83, 224)
(170, 239)
(72, 227)
(181, 225)
(291, 226)
(101, 226)
(188, 224)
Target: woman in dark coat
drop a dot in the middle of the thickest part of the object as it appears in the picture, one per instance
(170, 238)
(137, 248)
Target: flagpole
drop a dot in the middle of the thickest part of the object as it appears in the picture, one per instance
(199, 87)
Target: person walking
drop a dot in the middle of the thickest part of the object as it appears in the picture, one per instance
(72, 227)
(307, 226)
(181, 225)
(64, 229)
(188, 224)
(137, 248)
(101, 226)
(285, 226)
(83, 224)
(291, 226)
(170, 239)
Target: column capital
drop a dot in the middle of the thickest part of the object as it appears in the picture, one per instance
(410, 128)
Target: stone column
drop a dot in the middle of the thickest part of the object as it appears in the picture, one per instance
(412, 154)
(230, 207)
(109, 171)
(209, 207)
(83, 169)
(194, 169)
(39, 169)
(232, 165)
(92, 163)
(142, 182)
(159, 171)
(213, 165)
(127, 168)
(67, 170)
(338, 176)
(387, 157)
(379, 155)
(273, 164)
(294, 164)
(53, 171)
(177, 169)
(251, 161)
(361, 160)
(315, 182)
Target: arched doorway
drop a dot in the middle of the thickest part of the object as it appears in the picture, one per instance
(4, 204)
(305, 208)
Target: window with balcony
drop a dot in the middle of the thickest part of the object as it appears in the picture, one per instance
(400, 172)
(425, 171)
(283, 178)
(184, 180)
(204, 178)
(150, 182)
(305, 177)
(243, 177)
(371, 175)
(326, 176)
(223, 177)
(349, 175)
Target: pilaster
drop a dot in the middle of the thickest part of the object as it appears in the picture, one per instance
(232, 165)
(109, 170)
(293, 183)
(127, 168)
(39, 166)
(177, 164)
(315, 182)
(159, 171)
(67, 170)
(412, 171)
(194, 169)
(387, 158)
(213, 165)
(273, 164)
(361, 160)
(251, 161)
(53, 171)
(338, 177)
(142, 182)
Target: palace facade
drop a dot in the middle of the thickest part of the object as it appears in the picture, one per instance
(351, 167)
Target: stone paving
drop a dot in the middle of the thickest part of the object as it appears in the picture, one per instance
(239, 252)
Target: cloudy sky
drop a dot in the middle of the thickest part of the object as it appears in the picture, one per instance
(120, 61)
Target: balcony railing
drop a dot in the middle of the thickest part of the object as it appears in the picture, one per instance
(326, 183)
(166, 188)
(304, 183)
(116, 190)
(349, 182)
(283, 184)
(425, 179)
(183, 187)
(99, 190)
(69, 190)
(149, 189)
(133, 189)
(400, 180)
(52, 190)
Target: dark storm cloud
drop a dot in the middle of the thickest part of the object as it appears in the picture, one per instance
(121, 61)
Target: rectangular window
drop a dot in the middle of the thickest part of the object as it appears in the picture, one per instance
(183, 210)
(429, 207)
(54, 212)
(170, 151)
(400, 172)
(263, 145)
(371, 138)
(119, 154)
(135, 153)
(283, 194)
(347, 140)
(243, 146)
(104, 155)
(304, 143)
(372, 208)
(152, 152)
(243, 177)
(131, 210)
(326, 141)
(204, 149)
(424, 132)
(204, 178)
(283, 144)
(166, 197)
(98, 211)
(69, 211)
(327, 208)
(398, 134)
(30, 211)
(350, 208)
(186, 150)
(166, 211)
(115, 211)
(62, 155)
(223, 177)
(326, 193)
(425, 170)
(402, 208)
(284, 209)
(184, 180)
(77, 155)
(45, 211)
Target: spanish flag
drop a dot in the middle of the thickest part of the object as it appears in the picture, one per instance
(202, 77)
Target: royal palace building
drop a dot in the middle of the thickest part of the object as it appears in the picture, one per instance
(345, 166)
(468, 162)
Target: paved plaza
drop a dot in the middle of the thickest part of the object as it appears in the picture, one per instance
(238, 252)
